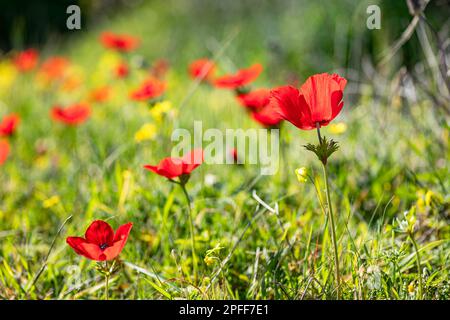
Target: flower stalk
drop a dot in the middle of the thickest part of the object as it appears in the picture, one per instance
(323, 151)
(191, 228)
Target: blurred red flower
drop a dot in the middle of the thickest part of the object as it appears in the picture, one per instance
(150, 89)
(119, 42)
(122, 70)
(255, 99)
(101, 94)
(72, 115)
(9, 124)
(267, 116)
(99, 242)
(240, 79)
(4, 151)
(318, 101)
(54, 67)
(26, 60)
(175, 167)
(202, 69)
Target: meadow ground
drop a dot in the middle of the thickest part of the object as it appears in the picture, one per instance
(389, 175)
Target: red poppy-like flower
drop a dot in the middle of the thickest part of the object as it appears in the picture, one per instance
(54, 67)
(72, 115)
(318, 101)
(202, 69)
(100, 243)
(9, 124)
(150, 89)
(240, 79)
(122, 70)
(26, 60)
(101, 94)
(160, 68)
(175, 167)
(267, 116)
(119, 42)
(255, 99)
(4, 151)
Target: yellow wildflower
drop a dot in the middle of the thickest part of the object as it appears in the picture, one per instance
(208, 260)
(147, 132)
(50, 202)
(8, 75)
(160, 109)
(302, 174)
(337, 128)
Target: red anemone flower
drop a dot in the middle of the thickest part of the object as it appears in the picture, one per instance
(318, 101)
(175, 167)
(267, 116)
(255, 99)
(72, 115)
(202, 69)
(119, 42)
(4, 151)
(240, 79)
(9, 124)
(100, 243)
(150, 89)
(54, 67)
(26, 60)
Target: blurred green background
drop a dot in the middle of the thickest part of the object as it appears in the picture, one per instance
(299, 35)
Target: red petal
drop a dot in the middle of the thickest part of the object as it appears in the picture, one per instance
(291, 105)
(323, 94)
(120, 239)
(192, 160)
(255, 99)
(82, 247)
(100, 233)
(168, 167)
(239, 79)
(267, 117)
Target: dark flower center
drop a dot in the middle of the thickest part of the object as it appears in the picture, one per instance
(103, 246)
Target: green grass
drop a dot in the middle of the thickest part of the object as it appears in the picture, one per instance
(392, 155)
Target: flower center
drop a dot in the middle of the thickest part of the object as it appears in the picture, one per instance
(103, 246)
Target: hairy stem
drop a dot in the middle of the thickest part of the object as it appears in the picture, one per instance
(333, 232)
(106, 281)
(191, 227)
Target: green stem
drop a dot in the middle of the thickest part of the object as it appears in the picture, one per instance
(106, 281)
(333, 232)
(191, 227)
(419, 270)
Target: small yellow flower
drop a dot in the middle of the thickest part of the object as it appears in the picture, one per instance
(208, 260)
(420, 200)
(50, 202)
(160, 109)
(8, 75)
(302, 174)
(337, 128)
(147, 132)
(411, 288)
